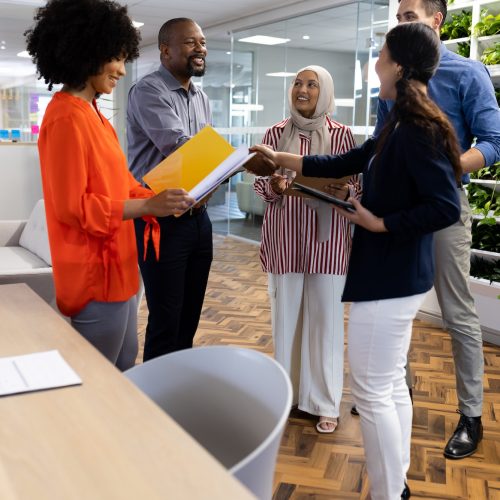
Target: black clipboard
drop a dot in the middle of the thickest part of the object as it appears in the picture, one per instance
(321, 195)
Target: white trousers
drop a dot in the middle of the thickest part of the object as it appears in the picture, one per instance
(379, 335)
(308, 333)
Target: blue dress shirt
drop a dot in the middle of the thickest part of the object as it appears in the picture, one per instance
(463, 90)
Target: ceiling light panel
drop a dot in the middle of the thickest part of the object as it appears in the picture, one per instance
(264, 40)
(282, 74)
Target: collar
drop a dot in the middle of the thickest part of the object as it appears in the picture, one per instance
(173, 83)
(444, 52)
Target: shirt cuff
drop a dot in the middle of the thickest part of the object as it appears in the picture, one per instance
(391, 222)
(308, 166)
(116, 216)
(488, 151)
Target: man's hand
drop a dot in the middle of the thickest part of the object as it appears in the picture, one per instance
(279, 158)
(362, 217)
(261, 164)
(278, 183)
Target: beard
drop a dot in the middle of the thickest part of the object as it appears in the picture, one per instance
(195, 70)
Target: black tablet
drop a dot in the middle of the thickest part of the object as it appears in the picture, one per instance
(321, 195)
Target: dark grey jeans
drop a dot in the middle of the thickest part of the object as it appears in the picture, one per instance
(111, 327)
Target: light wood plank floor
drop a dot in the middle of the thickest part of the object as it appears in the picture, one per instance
(314, 466)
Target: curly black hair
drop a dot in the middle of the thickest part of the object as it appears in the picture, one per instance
(72, 39)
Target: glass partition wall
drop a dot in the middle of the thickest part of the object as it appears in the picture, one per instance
(247, 79)
(251, 94)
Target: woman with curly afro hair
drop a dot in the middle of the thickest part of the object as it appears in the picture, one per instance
(90, 196)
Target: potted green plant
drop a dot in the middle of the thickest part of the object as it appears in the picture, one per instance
(485, 268)
(488, 177)
(458, 27)
(488, 173)
(463, 49)
(485, 203)
(491, 55)
(488, 26)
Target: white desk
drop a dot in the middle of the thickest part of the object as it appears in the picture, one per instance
(101, 440)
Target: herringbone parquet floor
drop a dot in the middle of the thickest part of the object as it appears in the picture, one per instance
(314, 466)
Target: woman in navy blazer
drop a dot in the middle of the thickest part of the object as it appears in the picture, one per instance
(410, 177)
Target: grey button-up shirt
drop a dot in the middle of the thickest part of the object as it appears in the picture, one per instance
(161, 115)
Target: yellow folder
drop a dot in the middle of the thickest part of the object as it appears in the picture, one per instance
(187, 166)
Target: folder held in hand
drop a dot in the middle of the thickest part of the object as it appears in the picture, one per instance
(199, 166)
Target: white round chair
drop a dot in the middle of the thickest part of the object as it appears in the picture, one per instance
(235, 402)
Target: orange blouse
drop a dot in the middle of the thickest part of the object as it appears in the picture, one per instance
(85, 183)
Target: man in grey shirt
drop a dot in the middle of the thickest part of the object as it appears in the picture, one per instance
(164, 110)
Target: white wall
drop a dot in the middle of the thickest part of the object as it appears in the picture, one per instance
(21, 185)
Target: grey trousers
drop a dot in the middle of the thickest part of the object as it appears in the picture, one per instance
(452, 256)
(111, 327)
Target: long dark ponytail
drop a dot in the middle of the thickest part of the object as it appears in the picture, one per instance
(415, 47)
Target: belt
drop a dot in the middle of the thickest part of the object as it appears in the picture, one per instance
(195, 211)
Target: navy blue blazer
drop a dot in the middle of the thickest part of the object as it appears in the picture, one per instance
(413, 187)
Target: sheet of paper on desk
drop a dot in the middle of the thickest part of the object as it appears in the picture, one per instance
(35, 372)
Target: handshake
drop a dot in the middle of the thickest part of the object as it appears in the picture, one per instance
(260, 164)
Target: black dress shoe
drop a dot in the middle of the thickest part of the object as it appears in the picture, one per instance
(406, 493)
(466, 437)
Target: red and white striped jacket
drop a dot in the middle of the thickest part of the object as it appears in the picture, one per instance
(289, 242)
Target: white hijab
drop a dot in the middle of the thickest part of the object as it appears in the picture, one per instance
(316, 126)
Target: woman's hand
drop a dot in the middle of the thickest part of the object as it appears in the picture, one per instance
(278, 183)
(169, 202)
(265, 151)
(204, 200)
(340, 191)
(362, 217)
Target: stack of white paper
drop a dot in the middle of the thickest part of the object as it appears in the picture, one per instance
(226, 169)
(34, 372)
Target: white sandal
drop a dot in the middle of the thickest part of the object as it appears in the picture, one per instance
(327, 420)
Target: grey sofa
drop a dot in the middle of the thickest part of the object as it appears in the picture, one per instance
(25, 254)
(248, 201)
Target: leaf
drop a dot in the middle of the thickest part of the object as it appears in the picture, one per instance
(487, 221)
(491, 55)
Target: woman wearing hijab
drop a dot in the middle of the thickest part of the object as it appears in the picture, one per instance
(305, 250)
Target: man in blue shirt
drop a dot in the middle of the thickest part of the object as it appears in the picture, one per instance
(462, 88)
(165, 109)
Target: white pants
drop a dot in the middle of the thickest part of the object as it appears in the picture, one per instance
(308, 333)
(379, 335)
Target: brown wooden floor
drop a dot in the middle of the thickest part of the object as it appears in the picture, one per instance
(314, 466)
